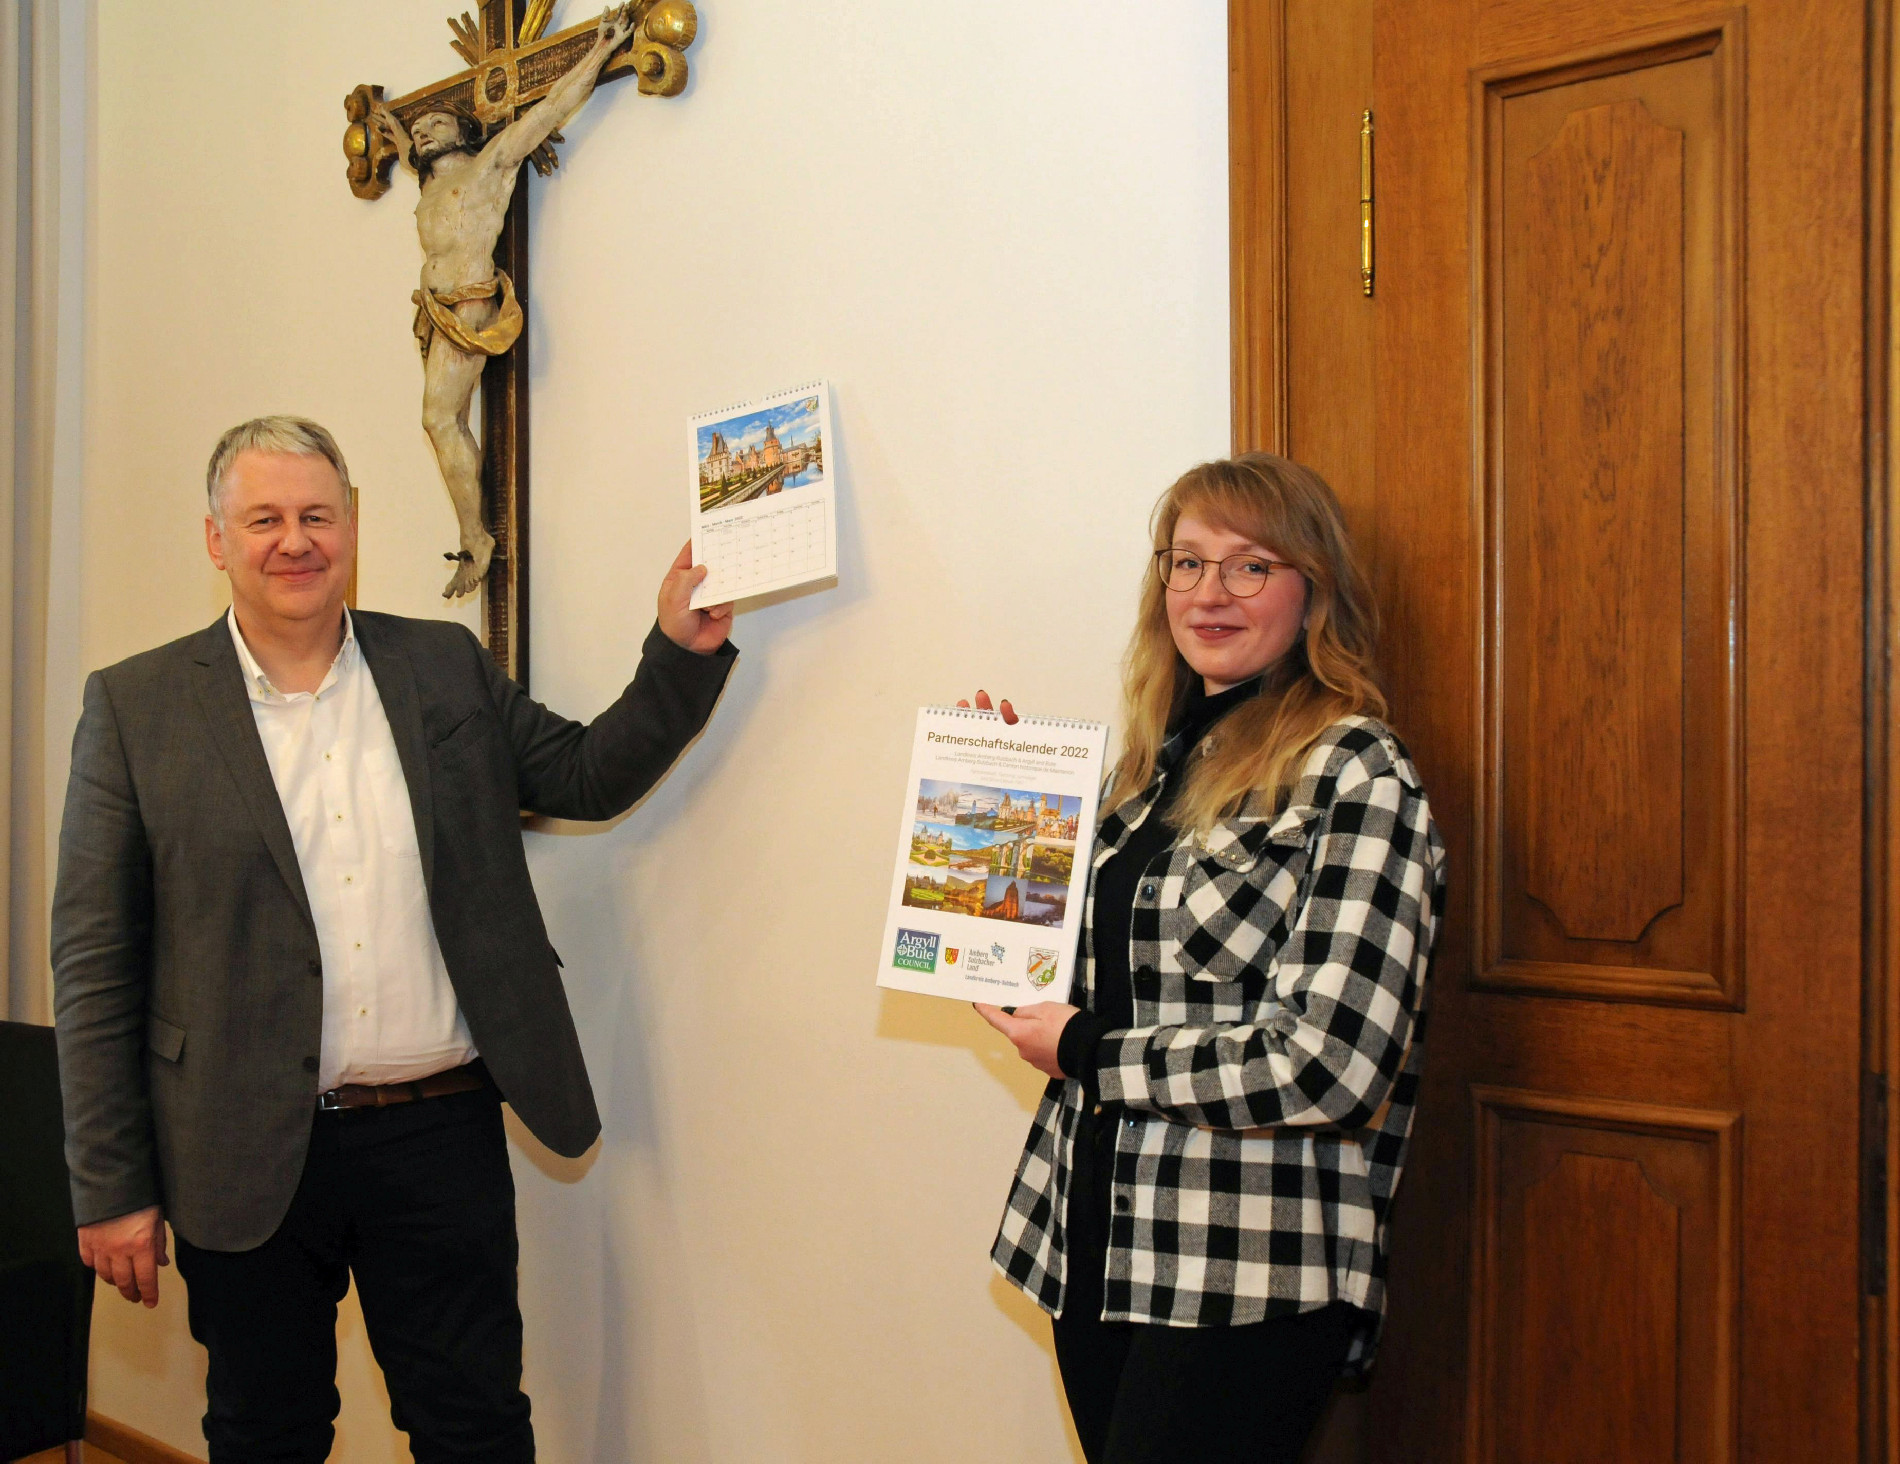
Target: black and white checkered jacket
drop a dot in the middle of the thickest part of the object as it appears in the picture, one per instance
(1278, 966)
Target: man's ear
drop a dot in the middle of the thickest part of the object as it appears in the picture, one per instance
(214, 541)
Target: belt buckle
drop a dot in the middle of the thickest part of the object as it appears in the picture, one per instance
(330, 1102)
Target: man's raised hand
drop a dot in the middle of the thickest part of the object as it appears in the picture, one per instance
(127, 1251)
(703, 631)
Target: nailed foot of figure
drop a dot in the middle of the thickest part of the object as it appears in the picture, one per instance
(471, 567)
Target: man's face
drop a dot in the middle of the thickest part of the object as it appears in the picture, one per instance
(436, 133)
(288, 539)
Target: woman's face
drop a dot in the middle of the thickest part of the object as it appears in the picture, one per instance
(1225, 637)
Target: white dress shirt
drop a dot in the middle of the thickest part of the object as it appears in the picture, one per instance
(389, 1012)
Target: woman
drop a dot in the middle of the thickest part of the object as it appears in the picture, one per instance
(1202, 1202)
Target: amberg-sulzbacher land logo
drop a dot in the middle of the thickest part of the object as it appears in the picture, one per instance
(916, 950)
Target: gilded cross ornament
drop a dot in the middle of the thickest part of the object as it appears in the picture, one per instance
(468, 139)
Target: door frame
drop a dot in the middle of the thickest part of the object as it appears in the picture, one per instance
(1257, 221)
(1880, 1117)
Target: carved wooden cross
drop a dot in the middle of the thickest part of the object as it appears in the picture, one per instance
(511, 65)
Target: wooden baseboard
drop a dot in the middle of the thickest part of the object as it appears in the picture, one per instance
(131, 1445)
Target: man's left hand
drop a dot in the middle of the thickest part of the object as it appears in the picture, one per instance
(1034, 1029)
(127, 1251)
(702, 631)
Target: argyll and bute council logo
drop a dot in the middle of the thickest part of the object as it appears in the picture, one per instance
(916, 950)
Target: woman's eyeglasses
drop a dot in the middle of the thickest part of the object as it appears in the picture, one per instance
(1241, 575)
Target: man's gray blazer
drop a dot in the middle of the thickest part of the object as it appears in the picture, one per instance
(187, 976)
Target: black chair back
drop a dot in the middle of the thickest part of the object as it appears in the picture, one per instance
(45, 1290)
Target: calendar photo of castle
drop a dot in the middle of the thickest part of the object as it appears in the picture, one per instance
(761, 452)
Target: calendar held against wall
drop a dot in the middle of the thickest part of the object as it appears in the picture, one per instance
(987, 896)
(763, 511)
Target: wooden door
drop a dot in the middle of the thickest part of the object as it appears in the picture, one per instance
(1599, 428)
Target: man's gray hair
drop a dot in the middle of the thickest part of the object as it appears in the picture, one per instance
(296, 435)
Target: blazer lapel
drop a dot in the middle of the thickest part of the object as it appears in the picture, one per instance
(227, 707)
(395, 678)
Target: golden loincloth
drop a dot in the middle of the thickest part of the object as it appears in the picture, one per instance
(435, 311)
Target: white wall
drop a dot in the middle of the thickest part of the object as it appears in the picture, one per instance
(1000, 232)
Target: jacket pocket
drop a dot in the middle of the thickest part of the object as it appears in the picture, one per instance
(464, 730)
(1238, 843)
(1230, 922)
(165, 1039)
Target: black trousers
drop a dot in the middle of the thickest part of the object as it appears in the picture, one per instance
(1145, 1394)
(417, 1200)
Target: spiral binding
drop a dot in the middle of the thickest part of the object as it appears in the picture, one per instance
(719, 414)
(978, 714)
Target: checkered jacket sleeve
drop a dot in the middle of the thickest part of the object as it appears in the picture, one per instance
(1326, 1047)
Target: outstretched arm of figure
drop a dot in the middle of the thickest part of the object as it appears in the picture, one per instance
(565, 98)
(385, 122)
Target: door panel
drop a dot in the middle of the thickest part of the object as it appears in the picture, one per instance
(1607, 237)
(1598, 431)
(1571, 1192)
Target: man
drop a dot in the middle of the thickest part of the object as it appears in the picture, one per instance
(466, 309)
(298, 963)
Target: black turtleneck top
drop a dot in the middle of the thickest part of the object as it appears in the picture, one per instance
(1113, 1000)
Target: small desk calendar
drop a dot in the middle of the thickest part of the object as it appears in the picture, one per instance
(763, 509)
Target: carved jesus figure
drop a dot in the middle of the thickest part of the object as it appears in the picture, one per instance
(466, 309)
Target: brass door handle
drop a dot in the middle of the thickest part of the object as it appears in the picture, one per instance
(1365, 201)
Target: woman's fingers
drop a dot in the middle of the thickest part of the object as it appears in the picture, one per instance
(983, 705)
(1035, 1031)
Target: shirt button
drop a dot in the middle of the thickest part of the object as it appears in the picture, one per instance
(310, 1064)
(349, 879)
(326, 757)
(1148, 890)
(1121, 1203)
(359, 945)
(1098, 1110)
(316, 968)
(339, 818)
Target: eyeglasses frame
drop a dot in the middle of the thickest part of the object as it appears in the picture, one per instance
(1220, 570)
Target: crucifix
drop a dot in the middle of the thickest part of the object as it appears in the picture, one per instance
(469, 139)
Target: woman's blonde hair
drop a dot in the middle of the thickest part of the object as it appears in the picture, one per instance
(1327, 674)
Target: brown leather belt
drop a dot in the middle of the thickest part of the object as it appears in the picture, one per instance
(467, 1078)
